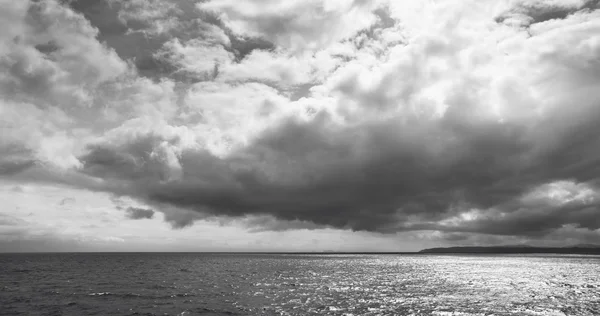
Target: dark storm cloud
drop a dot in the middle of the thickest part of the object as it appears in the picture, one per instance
(139, 213)
(386, 177)
(15, 159)
(8, 168)
(179, 218)
(269, 223)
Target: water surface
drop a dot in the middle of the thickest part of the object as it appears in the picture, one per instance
(267, 284)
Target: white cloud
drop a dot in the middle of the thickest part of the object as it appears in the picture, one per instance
(296, 25)
(560, 193)
(227, 116)
(272, 67)
(197, 56)
(51, 67)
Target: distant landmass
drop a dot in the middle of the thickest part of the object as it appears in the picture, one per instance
(583, 249)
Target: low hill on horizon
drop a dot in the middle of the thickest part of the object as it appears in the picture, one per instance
(518, 249)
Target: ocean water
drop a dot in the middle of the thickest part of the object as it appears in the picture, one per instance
(267, 284)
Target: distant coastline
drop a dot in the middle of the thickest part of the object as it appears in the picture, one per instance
(583, 249)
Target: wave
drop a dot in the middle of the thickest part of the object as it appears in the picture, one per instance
(136, 295)
(100, 294)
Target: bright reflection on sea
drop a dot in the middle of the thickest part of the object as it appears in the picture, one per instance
(432, 285)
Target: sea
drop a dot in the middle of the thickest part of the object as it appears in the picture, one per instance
(298, 284)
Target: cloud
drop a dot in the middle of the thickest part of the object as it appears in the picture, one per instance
(199, 57)
(55, 56)
(474, 146)
(280, 69)
(524, 13)
(364, 179)
(153, 17)
(268, 223)
(443, 117)
(296, 25)
(52, 65)
(66, 201)
(139, 213)
(158, 37)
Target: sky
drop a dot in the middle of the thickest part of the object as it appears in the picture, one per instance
(288, 125)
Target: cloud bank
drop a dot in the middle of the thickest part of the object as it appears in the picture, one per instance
(460, 118)
(139, 213)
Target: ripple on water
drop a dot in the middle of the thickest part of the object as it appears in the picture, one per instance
(200, 284)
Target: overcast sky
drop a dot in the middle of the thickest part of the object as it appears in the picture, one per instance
(284, 125)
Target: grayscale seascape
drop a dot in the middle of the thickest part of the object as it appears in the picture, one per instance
(300, 157)
(285, 284)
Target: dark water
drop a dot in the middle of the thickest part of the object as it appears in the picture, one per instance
(234, 284)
